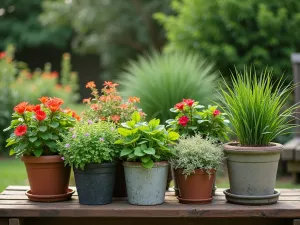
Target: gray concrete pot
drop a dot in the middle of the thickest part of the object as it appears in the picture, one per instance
(252, 170)
(146, 186)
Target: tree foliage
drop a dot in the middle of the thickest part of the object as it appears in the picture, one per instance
(235, 33)
(19, 25)
(116, 30)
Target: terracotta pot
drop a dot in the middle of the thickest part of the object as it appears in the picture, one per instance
(47, 175)
(120, 184)
(195, 188)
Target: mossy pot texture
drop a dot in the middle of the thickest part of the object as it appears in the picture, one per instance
(95, 183)
(252, 170)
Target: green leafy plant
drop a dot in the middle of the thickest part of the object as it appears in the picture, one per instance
(38, 127)
(145, 142)
(161, 80)
(193, 118)
(194, 152)
(256, 107)
(235, 33)
(89, 142)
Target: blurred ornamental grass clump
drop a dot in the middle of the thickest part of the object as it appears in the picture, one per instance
(161, 80)
(18, 83)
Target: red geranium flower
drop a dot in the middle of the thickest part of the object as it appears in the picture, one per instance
(36, 108)
(189, 102)
(183, 120)
(2, 55)
(20, 130)
(115, 118)
(179, 106)
(216, 112)
(40, 115)
(21, 107)
(54, 104)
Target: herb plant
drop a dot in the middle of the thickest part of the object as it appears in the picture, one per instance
(194, 118)
(38, 127)
(194, 152)
(256, 107)
(145, 142)
(89, 142)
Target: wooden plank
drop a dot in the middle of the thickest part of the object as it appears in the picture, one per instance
(158, 221)
(297, 153)
(16, 221)
(289, 149)
(293, 167)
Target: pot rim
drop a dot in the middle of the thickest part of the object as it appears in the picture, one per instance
(139, 164)
(96, 166)
(197, 171)
(42, 159)
(233, 147)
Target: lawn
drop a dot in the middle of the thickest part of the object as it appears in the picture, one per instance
(12, 172)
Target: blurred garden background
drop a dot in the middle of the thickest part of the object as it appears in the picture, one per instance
(160, 51)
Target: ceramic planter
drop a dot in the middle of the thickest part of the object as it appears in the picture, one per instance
(146, 186)
(195, 188)
(95, 184)
(48, 178)
(120, 184)
(252, 173)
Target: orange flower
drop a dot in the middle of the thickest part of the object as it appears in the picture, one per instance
(103, 118)
(123, 106)
(133, 99)
(117, 98)
(21, 107)
(68, 88)
(90, 84)
(103, 98)
(110, 84)
(29, 108)
(115, 118)
(54, 104)
(87, 100)
(94, 107)
(44, 99)
(54, 74)
(74, 115)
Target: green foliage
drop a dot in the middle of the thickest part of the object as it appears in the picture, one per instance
(193, 118)
(256, 107)
(116, 30)
(236, 33)
(88, 143)
(194, 152)
(19, 25)
(37, 128)
(145, 142)
(161, 80)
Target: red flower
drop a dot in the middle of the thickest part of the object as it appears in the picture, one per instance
(216, 112)
(189, 102)
(179, 106)
(44, 99)
(21, 107)
(87, 100)
(20, 130)
(2, 55)
(90, 84)
(183, 120)
(40, 115)
(36, 108)
(54, 104)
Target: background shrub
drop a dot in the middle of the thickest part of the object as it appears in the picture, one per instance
(162, 80)
(233, 32)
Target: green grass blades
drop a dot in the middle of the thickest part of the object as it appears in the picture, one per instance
(162, 80)
(256, 107)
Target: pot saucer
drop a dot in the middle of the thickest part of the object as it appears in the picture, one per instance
(50, 198)
(195, 201)
(251, 200)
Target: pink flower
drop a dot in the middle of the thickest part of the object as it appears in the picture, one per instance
(183, 120)
(216, 112)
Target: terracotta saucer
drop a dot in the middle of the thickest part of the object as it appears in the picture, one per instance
(50, 198)
(195, 201)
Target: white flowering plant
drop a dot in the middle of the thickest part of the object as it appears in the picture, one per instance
(195, 152)
(90, 142)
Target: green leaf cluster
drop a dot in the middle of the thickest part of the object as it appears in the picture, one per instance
(160, 80)
(256, 107)
(194, 152)
(145, 142)
(236, 33)
(90, 142)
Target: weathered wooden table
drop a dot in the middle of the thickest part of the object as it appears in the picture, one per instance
(15, 209)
